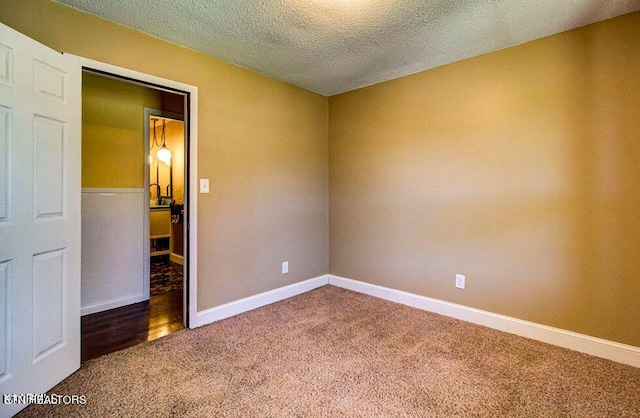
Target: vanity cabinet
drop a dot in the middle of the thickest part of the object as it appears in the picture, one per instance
(160, 230)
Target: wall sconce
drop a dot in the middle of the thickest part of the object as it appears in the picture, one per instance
(163, 153)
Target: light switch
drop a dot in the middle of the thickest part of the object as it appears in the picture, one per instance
(460, 281)
(204, 185)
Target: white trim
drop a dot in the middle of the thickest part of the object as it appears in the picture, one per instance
(598, 347)
(191, 206)
(111, 304)
(252, 302)
(191, 118)
(176, 258)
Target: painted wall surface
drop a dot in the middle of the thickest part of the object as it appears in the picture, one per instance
(113, 131)
(262, 142)
(519, 169)
(161, 173)
(175, 142)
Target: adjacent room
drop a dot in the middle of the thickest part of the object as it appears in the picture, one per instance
(370, 208)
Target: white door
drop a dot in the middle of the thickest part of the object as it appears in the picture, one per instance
(40, 97)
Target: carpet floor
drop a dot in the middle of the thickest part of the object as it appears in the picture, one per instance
(333, 352)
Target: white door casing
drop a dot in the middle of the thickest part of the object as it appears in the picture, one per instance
(40, 162)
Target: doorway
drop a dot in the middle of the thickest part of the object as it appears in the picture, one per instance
(119, 307)
(164, 180)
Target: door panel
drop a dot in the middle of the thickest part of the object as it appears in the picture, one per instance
(48, 303)
(6, 65)
(4, 318)
(40, 176)
(5, 124)
(48, 190)
(49, 82)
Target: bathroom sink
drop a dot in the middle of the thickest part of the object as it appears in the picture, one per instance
(165, 203)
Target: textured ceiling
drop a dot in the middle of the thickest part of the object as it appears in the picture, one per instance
(333, 46)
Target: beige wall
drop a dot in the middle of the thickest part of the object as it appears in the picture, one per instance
(112, 131)
(520, 169)
(262, 142)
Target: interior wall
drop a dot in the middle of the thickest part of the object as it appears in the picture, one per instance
(519, 169)
(175, 142)
(262, 143)
(161, 173)
(112, 131)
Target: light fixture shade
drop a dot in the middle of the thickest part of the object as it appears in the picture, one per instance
(150, 159)
(164, 155)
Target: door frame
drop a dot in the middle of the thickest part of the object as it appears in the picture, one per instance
(191, 131)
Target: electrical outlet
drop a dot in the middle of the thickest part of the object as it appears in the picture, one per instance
(460, 281)
(285, 267)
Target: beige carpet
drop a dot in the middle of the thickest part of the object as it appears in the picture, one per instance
(332, 352)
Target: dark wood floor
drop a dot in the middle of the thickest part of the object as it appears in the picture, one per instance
(115, 329)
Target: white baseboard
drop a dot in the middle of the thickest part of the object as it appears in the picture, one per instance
(111, 304)
(252, 302)
(176, 258)
(611, 350)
